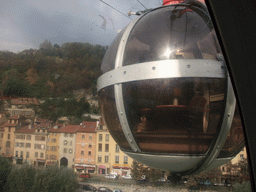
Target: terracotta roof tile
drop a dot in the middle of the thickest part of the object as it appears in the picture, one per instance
(25, 130)
(14, 117)
(56, 128)
(87, 126)
(24, 101)
(6, 124)
(69, 129)
(46, 125)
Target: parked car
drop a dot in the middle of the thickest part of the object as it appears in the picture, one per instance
(162, 180)
(85, 175)
(127, 177)
(205, 183)
(110, 176)
(117, 190)
(104, 189)
(86, 188)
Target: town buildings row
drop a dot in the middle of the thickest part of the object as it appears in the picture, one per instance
(87, 147)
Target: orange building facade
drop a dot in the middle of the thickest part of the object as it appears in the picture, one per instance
(86, 147)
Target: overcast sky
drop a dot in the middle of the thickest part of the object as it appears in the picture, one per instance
(24, 24)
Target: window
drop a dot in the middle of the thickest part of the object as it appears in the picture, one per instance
(28, 145)
(117, 148)
(125, 159)
(39, 138)
(90, 145)
(90, 137)
(65, 135)
(82, 144)
(54, 140)
(9, 129)
(106, 147)
(242, 157)
(8, 143)
(41, 155)
(89, 153)
(16, 153)
(16, 144)
(36, 154)
(116, 159)
(9, 136)
(21, 154)
(28, 137)
(70, 135)
(100, 147)
(107, 137)
(65, 150)
(82, 152)
(70, 151)
(83, 136)
(106, 159)
(65, 142)
(27, 155)
(21, 144)
(2, 135)
(99, 159)
(100, 137)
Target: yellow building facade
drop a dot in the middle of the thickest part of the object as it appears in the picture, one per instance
(109, 157)
(52, 145)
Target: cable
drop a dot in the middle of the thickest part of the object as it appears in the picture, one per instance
(142, 4)
(115, 9)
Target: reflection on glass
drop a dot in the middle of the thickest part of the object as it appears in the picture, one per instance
(184, 35)
(235, 139)
(108, 108)
(175, 115)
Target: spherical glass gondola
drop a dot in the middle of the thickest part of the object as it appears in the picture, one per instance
(165, 93)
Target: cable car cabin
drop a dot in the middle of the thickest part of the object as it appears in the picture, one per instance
(165, 93)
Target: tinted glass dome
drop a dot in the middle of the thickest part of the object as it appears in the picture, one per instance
(165, 90)
(171, 33)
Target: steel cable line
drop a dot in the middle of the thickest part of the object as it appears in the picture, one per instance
(115, 9)
(142, 4)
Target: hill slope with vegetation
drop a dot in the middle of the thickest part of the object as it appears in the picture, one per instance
(51, 70)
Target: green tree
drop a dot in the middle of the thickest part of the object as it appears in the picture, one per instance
(243, 187)
(21, 179)
(56, 179)
(5, 169)
(16, 88)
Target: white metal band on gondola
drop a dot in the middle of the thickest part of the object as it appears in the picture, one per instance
(163, 69)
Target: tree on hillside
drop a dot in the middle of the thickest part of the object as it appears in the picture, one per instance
(16, 88)
(32, 76)
(5, 169)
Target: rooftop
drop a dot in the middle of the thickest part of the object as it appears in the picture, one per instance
(87, 126)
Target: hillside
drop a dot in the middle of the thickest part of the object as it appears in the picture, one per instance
(51, 70)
